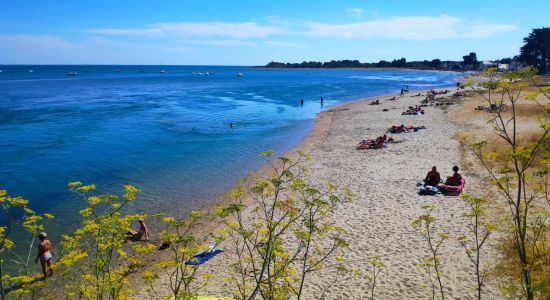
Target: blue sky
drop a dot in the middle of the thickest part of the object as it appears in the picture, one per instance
(235, 32)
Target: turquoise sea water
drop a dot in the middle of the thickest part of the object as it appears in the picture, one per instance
(166, 133)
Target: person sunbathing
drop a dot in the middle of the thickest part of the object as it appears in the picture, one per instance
(378, 143)
(365, 144)
(432, 178)
(141, 235)
(454, 180)
(393, 98)
(376, 102)
(397, 129)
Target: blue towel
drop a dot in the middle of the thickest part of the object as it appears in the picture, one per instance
(203, 257)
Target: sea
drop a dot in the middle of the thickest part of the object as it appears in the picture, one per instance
(164, 129)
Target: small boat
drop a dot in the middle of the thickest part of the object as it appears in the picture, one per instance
(0, 71)
(162, 71)
(30, 71)
(239, 74)
(71, 73)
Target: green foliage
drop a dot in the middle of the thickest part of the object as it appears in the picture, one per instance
(184, 282)
(470, 60)
(518, 169)
(480, 229)
(425, 224)
(19, 218)
(376, 267)
(395, 63)
(535, 47)
(286, 208)
(96, 258)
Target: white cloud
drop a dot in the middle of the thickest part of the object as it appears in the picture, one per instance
(480, 30)
(23, 48)
(32, 41)
(38, 49)
(198, 29)
(285, 44)
(411, 28)
(408, 28)
(223, 43)
(355, 12)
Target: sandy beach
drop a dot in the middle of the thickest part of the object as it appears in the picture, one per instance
(379, 222)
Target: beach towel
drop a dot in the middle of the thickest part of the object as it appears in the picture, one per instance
(203, 257)
(453, 190)
(428, 190)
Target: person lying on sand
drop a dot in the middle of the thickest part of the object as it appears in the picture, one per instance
(432, 178)
(141, 235)
(376, 102)
(402, 128)
(397, 129)
(417, 95)
(392, 98)
(378, 143)
(414, 111)
(454, 180)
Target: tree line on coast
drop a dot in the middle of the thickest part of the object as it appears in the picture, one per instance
(534, 52)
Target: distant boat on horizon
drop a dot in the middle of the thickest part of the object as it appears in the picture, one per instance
(239, 74)
(71, 73)
(30, 71)
(162, 71)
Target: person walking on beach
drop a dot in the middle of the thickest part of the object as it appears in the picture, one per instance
(44, 255)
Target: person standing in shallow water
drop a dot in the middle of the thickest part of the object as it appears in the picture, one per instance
(322, 100)
(302, 102)
(44, 255)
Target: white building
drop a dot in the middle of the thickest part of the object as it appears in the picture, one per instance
(486, 64)
(503, 67)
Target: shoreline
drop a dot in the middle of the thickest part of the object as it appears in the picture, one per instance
(323, 128)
